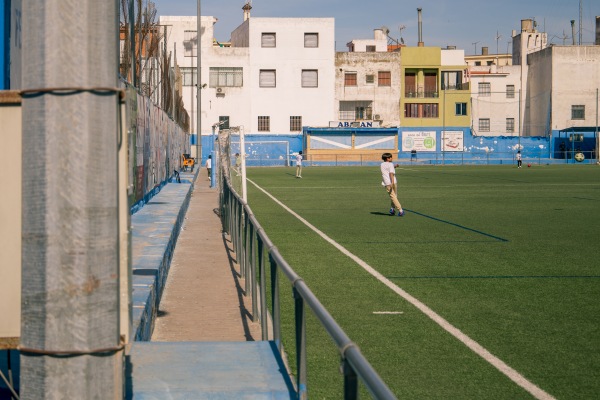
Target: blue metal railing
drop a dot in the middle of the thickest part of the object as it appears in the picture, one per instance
(253, 247)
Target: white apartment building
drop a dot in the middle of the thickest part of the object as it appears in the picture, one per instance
(367, 83)
(275, 76)
(499, 99)
(562, 86)
(495, 100)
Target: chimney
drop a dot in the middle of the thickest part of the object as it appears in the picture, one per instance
(420, 43)
(597, 30)
(573, 30)
(247, 7)
(484, 51)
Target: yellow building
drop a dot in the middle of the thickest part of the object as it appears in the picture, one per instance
(436, 89)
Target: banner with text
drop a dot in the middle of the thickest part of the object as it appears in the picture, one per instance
(418, 140)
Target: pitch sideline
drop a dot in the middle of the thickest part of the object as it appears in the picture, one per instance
(511, 373)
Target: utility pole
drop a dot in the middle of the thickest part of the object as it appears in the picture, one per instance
(198, 89)
(70, 345)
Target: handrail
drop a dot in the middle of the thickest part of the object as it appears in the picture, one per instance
(252, 244)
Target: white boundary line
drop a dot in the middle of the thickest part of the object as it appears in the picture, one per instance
(511, 373)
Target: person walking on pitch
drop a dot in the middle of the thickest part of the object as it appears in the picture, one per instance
(389, 182)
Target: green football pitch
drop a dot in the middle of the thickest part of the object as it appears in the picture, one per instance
(488, 287)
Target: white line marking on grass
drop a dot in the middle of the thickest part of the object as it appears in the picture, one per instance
(388, 312)
(478, 349)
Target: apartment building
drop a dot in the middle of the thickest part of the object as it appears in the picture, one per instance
(367, 83)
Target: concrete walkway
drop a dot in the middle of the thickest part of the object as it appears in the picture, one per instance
(203, 299)
(203, 345)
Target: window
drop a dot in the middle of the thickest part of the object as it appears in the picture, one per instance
(311, 40)
(190, 43)
(350, 79)
(484, 88)
(477, 63)
(384, 78)
(268, 39)
(431, 88)
(451, 80)
(370, 79)
(264, 123)
(370, 49)
(310, 78)
(225, 77)
(418, 110)
(355, 110)
(224, 122)
(189, 76)
(578, 112)
(295, 123)
(484, 124)
(510, 124)
(267, 78)
(461, 108)
(410, 84)
(510, 91)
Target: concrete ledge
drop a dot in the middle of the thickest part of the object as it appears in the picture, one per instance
(207, 370)
(155, 229)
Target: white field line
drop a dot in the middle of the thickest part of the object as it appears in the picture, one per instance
(511, 373)
(388, 312)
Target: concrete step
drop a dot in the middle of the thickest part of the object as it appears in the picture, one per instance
(207, 370)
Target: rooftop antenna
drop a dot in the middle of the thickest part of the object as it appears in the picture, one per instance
(498, 37)
(401, 28)
(580, 19)
(475, 44)
(564, 37)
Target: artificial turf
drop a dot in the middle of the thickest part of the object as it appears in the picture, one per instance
(508, 256)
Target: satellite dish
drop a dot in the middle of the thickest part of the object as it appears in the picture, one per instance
(385, 29)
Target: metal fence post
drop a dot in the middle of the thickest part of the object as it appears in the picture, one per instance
(263, 290)
(350, 381)
(300, 345)
(275, 302)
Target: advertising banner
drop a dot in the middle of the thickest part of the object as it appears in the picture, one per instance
(452, 141)
(418, 140)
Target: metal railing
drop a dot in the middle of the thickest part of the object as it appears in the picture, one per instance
(253, 247)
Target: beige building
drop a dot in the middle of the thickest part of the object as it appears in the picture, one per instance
(367, 83)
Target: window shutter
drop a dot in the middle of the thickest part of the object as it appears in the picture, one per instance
(267, 78)
(310, 78)
(268, 40)
(311, 40)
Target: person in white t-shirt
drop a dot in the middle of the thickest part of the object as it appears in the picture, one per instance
(299, 164)
(388, 176)
(208, 165)
(519, 159)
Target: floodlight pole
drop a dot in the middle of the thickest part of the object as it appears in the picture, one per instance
(198, 88)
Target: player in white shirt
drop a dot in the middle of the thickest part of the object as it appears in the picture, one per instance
(299, 164)
(388, 176)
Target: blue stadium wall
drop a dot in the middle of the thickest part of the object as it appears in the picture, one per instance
(475, 149)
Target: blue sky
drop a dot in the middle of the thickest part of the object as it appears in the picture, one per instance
(467, 24)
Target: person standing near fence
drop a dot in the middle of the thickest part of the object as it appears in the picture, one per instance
(299, 164)
(388, 176)
(519, 160)
(208, 165)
